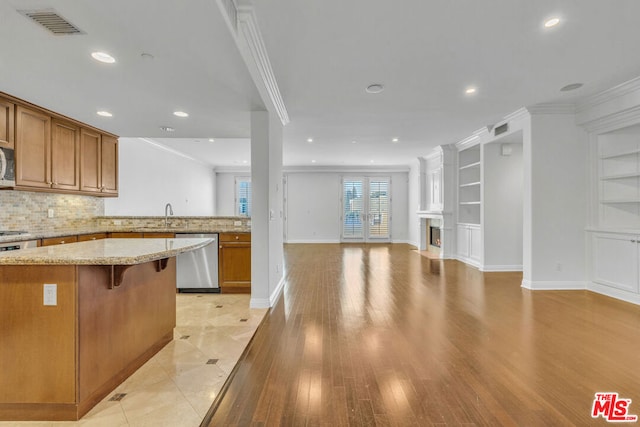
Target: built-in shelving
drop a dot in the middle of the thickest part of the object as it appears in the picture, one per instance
(469, 185)
(618, 155)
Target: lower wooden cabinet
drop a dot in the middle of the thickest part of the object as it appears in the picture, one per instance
(94, 236)
(234, 263)
(58, 240)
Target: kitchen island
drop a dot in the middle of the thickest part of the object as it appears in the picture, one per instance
(77, 319)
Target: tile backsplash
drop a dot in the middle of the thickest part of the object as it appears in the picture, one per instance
(28, 211)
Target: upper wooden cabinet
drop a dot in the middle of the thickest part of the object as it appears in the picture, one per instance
(65, 155)
(99, 160)
(33, 148)
(57, 154)
(109, 165)
(7, 134)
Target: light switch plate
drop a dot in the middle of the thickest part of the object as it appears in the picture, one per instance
(237, 223)
(50, 294)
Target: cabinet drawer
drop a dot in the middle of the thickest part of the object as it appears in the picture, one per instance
(94, 236)
(235, 237)
(59, 240)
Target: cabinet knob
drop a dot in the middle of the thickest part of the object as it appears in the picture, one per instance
(237, 237)
(62, 242)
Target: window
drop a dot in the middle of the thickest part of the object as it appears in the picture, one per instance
(243, 196)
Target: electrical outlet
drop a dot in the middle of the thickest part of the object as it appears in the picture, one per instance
(237, 223)
(50, 213)
(117, 222)
(50, 294)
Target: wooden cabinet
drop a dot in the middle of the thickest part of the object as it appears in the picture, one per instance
(234, 262)
(109, 165)
(57, 154)
(99, 160)
(93, 236)
(7, 134)
(58, 240)
(33, 148)
(65, 155)
(158, 235)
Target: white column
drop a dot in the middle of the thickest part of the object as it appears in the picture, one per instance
(266, 217)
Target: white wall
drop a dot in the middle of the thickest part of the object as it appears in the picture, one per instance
(225, 192)
(150, 177)
(314, 203)
(556, 165)
(502, 204)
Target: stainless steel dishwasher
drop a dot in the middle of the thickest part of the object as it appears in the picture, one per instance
(197, 271)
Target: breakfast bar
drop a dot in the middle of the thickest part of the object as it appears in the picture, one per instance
(78, 319)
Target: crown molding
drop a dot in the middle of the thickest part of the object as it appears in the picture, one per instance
(519, 114)
(551, 108)
(614, 121)
(346, 169)
(473, 139)
(243, 24)
(589, 102)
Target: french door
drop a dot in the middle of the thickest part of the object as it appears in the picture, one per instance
(366, 215)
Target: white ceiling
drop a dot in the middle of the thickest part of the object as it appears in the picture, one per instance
(324, 54)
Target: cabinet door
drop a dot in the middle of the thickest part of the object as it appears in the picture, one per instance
(615, 261)
(234, 270)
(463, 241)
(65, 155)
(59, 240)
(90, 158)
(7, 109)
(33, 147)
(109, 164)
(475, 243)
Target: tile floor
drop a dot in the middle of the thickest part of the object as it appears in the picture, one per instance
(177, 386)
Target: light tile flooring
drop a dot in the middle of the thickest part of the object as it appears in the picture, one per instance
(177, 386)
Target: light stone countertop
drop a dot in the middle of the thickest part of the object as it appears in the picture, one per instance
(103, 252)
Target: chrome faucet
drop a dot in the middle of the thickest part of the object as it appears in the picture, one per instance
(167, 208)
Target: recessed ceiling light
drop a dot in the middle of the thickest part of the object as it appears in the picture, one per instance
(395, 140)
(167, 128)
(572, 86)
(103, 57)
(104, 114)
(470, 90)
(375, 88)
(211, 140)
(245, 161)
(180, 114)
(313, 161)
(309, 140)
(372, 161)
(354, 141)
(145, 55)
(551, 22)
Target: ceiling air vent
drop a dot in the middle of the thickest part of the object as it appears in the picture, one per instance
(53, 22)
(499, 130)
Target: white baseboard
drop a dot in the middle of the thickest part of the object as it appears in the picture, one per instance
(469, 261)
(554, 285)
(614, 293)
(497, 268)
(276, 292)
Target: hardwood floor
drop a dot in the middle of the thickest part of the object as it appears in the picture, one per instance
(380, 335)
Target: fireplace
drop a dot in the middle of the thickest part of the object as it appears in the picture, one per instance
(434, 236)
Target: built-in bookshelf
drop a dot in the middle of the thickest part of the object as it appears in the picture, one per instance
(619, 178)
(469, 194)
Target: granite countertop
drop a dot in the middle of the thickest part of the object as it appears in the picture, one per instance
(103, 252)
